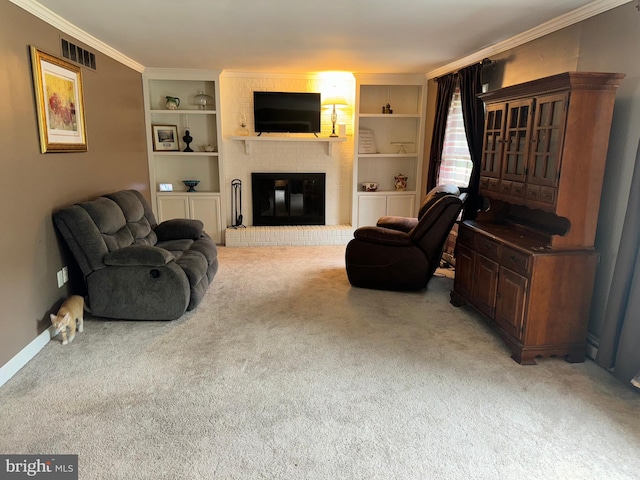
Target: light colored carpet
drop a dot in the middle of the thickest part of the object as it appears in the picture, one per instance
(286, 372)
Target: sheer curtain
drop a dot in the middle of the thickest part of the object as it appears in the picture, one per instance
(455, 165)
(619, 347)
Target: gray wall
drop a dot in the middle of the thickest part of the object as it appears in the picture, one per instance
(33, 185)
(607, 43)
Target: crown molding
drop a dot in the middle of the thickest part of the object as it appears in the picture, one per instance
(578, 15)
(67, 27)
(277, 75)
(181, 73)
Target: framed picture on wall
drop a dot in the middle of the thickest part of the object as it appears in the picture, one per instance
(59, 103)
(165, 138)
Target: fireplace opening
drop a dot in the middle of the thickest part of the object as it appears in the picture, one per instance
(288, 198)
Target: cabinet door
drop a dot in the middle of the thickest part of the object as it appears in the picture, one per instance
(464, 278)
(514, 163)
(511, 299)
(493, 141)
(400, 205)
(172, 206)
(207, 209)
(371, 208)
(547, 139)
(485, 284)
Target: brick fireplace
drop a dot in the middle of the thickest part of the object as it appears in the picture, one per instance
(295, 157)
(288, 209)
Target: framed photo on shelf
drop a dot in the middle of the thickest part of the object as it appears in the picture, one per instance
(165, 138)
(367, 143)
(59, 103)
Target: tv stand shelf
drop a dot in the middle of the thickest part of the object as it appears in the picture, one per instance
(248, 140)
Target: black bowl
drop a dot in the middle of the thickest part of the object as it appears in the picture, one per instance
(191, 184)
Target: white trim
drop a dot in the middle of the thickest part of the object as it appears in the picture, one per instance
(243, 74)
(154, 73)
(10, 368)
(67, 27)
(578, 15)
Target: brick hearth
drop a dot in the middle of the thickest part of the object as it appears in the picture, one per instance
(289, 235)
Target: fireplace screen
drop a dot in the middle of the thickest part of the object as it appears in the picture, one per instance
(288, 198)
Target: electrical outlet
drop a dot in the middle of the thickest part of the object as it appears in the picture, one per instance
(60, 278)
(65, 274)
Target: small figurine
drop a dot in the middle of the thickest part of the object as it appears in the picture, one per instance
(187, 139)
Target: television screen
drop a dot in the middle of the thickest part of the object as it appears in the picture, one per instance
(286, 112)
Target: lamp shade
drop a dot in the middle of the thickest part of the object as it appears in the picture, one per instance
(331, 101)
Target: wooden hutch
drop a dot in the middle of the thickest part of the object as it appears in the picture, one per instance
(528, 263)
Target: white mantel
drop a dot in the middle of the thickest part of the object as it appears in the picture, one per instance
(249, 139)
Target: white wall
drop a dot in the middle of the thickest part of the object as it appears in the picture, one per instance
(236, 92)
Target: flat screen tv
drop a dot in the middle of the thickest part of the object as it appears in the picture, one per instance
(288, 112)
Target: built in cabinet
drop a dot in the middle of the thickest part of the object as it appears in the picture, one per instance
(204, 163)
(398, 135)
(528, 263)
(203, 206)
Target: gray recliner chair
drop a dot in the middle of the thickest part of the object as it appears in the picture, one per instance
(134, 268)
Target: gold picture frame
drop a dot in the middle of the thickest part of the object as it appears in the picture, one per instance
(59, 102)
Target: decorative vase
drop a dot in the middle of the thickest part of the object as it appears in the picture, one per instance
(400, 182)
(172, 103)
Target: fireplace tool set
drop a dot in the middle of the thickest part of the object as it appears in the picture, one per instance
(236, 202)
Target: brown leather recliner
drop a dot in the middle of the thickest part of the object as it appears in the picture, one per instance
(404, 224)
(392, 259)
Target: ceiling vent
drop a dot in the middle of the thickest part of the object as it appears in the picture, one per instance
(78, 55)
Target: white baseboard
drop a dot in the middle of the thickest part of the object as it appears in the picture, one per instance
(10, 368)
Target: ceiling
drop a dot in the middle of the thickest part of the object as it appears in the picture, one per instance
(286, 36)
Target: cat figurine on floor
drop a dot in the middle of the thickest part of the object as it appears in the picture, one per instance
(70, 312)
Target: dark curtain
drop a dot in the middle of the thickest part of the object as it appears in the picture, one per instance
(446, 86)
(619, 347)
(470, 79)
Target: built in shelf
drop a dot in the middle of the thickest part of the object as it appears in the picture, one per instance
(248, 140)
(184, 192)
(387, 192)
(389, 115)
(184, 111)
(387, 155)
(186, 154)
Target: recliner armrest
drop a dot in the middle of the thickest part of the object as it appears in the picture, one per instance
(178, 229)
(139, 255)
(383, 236)
(402, 224)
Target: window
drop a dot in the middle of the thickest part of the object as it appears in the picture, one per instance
(455, 165)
